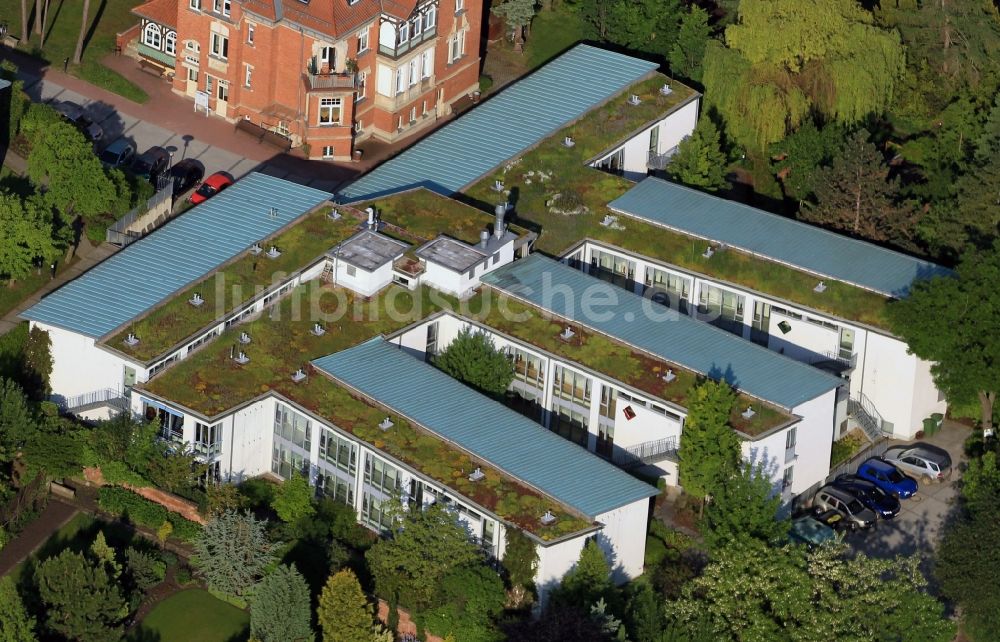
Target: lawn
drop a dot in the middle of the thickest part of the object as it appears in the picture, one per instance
(552, 32)
(194, 615)
(107, 18)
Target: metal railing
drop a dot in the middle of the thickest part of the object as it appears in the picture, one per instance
(330, 80)
(103, 396)
(120, 234)
(849, 361)
(645, 453)
(876, 449)
(659, 161)
(862, 410)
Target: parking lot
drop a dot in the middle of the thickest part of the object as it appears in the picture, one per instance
(918, 525)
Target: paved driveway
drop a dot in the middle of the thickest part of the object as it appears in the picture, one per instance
(917, 528)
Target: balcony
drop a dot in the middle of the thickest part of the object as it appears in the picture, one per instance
(320, 81)
(206, 451)
(408, 46)
(647, 452)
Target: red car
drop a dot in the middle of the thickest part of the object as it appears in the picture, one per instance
(211, 186)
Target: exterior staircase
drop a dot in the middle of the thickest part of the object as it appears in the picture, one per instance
(863, 412)
(647, 452)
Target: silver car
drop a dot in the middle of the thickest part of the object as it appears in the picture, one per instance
(855, 514)
(927, 464)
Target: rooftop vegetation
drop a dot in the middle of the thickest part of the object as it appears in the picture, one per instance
(599, 353)
(232, 285)
(210, 383)
(565, 202)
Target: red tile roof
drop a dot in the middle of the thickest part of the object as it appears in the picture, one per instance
(162, 12)
(334, 18)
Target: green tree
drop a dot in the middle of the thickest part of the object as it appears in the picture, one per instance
(471, 597)
(58, 454)
(82, 601)
(799, 156)
(785, 59)
(966, 566)
(15, 623)
(855, 195)
(103, 554)
(473, 359)
(293, 501)
(146, 569)
(517, 14)
(223, 497)
(644, 616)
(280, 608)
(981, 483)
(953, 322)
(25, 236)
(688, 51)
(520, 561)
(175, 469)
(17, 421)
(710, 449)
(125, 439)
(38, 364)
(744, 505)
(233, 552)
(588, 581)
(427, 545)
(648, 26)
(344, 613)
(699, 161)
(753, 592)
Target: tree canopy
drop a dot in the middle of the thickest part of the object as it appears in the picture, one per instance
(344, 613)
(16, 625)
(710, 449)
(26, 240)
(81, 598)
(473, 359)
(233, 552)
(699, 161)
(744, 504)
(280, 607)
(293, 501)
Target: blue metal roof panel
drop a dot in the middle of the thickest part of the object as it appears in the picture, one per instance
(674, 337)
(515, 119)
(134, 280)
(487, 429)
(775, 237)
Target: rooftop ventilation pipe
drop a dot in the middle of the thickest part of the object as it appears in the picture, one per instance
(500, 210)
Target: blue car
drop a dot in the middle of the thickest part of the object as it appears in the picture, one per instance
(885, 505)
(888, 478)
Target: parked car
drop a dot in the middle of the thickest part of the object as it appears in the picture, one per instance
(812, 531)
(186, 175)
(151, 163)
(885, 506)
(118, 154)
(855, 514)
(887, 477)
(73, 113)
(924, 463)
(212, 186)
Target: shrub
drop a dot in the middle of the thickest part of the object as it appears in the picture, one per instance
(182, 576)
(141, 511)
(145, 568)
(485, 83)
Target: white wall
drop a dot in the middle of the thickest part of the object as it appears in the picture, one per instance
(555, 560)
(460, 284)
(814, 441)
(623, 538)
(79, 366)
(673, 129)
(247, 437)
(363, 282)
(805, 341)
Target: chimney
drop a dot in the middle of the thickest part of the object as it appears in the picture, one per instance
(500, 211)
(484, 239)
(370, 211)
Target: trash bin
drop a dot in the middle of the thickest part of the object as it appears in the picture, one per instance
(938, 418)
(930, 426)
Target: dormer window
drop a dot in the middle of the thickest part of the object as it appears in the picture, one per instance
(416, 26)
(404, 32)
(430, 18)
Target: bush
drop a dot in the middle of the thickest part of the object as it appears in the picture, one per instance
(485, 83)
(258, 492)
(141, 511)
(146, 569)
(182, 576)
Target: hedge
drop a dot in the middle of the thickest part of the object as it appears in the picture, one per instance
(144, 512)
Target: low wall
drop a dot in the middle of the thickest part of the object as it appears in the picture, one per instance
(406, 625)
(186, 509)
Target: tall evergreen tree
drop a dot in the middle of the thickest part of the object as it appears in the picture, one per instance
(82, 601)
(15, 623)
(744, 505)
(17, 421)
(588, 581)
(233, 552)
(280, 609)
(699, 161)
(344, 613)
(688, 51)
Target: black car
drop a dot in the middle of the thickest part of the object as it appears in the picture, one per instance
(885, 506)
(151, 163)
(186, 174)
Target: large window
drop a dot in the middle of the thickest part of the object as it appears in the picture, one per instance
(337, 451)
(571, 385)
(373, 513)
(677, 288)
(329, 111)
(381, 476)
(363, 40)
(223, 6)
(456, 46)
(570, 424)
(286, 461)
(151, 35)
(292, 427)
(207, 439)
(220, 46)
(427, 63)
(336, 488)
(528, 368)
(721, 308)
(613, 268)
(170, 43)
(432, 340)
(430, 18)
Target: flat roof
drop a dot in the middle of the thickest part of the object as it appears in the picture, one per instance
(669, 335)
(135, 279)
(773, 237)
(452, 254)
(519, 116)
(369, 250)
(486, 428)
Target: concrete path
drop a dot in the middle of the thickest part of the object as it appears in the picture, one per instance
(55, 515)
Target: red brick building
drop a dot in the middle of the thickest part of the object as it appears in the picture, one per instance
(326, 74)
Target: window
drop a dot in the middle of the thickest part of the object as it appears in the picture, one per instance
(170, 43)
(292, 427)
(286, 462)
(328, 56)
(151, 35)
(328, 151)
(430, 18)
(786, 478)
(251, 28)
(571, 385)
(790, 438)
(362, 83)
(427, 63)
(413, 115)
(605, 438)
(570, 424)
(208, 84)
(337, 451)
(352, 271)
(195, 4)
(220, 46)
(459, 5)
(528, 368)
(223, 93)
(336, 488)
(423, 112)
(373, 513)
(430, 348)
(414, 72)
(721, 308)
(456, 46)
(416, 26)
(677, 288)
(329, 111)
(247, 75)
(381, 476)
(192, 75)
(222, 6)
(404, 33)
(613, 268)
(207, 439)
(609, 401)
(401, 82)
(363, 40)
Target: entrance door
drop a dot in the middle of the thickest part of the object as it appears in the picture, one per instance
(192, 82)
(222, 98)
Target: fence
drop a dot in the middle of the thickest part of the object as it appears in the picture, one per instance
(109, 396)
(134, 225)
(876, 449)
